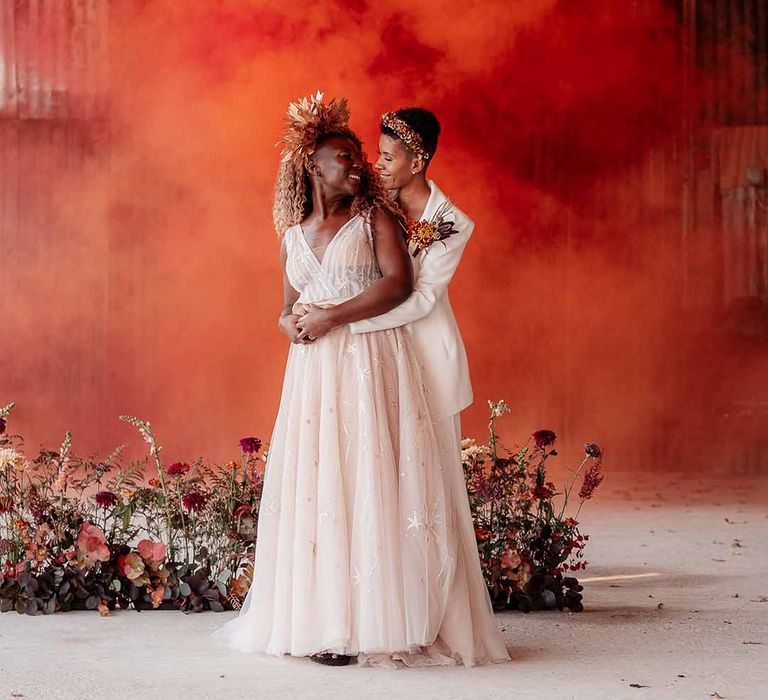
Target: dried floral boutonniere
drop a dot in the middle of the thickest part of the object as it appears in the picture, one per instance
(423, 234)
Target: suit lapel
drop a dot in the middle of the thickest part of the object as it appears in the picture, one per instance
(436, 199)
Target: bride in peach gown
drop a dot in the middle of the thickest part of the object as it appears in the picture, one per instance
(359, 546)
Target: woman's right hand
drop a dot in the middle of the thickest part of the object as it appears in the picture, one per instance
(287, 325)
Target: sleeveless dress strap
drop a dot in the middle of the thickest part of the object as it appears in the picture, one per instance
(368, 228)
(288, 236)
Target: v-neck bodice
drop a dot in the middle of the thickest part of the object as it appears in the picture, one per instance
(347, 268)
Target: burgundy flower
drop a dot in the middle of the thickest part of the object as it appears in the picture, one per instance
(177, 469)
(543, 438)
(193, 500)
(489, 490)
(593, 477)
(38, 507)
(250, 445)
(542, 492)
(240, 510)
(2, 425)
(593, 450)
(106, 499)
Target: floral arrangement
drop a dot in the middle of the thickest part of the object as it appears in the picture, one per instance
(527, 544)
(96, 534)
(79, 533)
(423, 233)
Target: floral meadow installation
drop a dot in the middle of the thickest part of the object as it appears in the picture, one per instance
(97, 534)
(530, 547)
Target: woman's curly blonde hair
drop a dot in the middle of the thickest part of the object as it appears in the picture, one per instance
(309, 122)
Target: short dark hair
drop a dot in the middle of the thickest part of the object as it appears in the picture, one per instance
(423, 122)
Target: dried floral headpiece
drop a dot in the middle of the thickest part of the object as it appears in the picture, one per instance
(308, 119)
(405, 133)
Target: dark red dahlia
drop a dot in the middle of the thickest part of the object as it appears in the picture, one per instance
(593, 450)
(193, 500)
(542, 492)
(240, 510)
(250, 445)
(177, 469)
(106, 499)
(544, 438)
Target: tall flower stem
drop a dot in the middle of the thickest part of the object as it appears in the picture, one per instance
(244, 461)
(498, 408)
(145, 429)
(567, 489)
(184, 530)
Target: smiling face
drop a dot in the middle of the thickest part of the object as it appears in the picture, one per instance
(396, 165)
(338, 163)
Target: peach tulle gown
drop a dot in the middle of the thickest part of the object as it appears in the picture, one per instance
(365, 542)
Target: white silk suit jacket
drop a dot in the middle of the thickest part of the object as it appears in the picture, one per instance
(435, 333)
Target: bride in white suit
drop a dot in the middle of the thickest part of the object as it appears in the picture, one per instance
(439, 232)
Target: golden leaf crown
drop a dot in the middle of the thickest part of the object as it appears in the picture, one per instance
(405, 133)
(308, 119)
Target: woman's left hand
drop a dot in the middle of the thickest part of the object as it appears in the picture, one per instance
(315, 323)
(302, 309)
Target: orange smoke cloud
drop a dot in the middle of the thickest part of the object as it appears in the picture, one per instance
(557, 118)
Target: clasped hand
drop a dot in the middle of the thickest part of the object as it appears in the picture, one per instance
(313, 322)
(307, 323)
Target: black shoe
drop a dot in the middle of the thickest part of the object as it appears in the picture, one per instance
(331, 659)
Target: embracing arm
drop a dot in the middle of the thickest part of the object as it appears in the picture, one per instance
(436, 272)
(392, 289)
(287, 320)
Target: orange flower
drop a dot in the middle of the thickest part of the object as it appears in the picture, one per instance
(481, 534)
(238, 587)
(510, 560)
(153, 553)
(157, 596)
(65, 556)
(134, 567)
(39, 553)
(92, 545)
(154, 483)
(62, 479)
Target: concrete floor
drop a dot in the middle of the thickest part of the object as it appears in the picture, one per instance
(685, 615)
